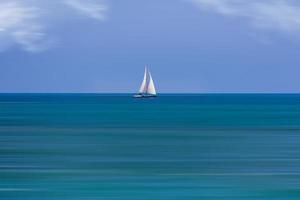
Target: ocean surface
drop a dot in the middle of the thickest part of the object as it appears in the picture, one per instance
(174, 147)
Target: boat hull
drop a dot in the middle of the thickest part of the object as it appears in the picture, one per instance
(143, 96)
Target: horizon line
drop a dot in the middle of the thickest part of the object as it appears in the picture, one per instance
(162, 93)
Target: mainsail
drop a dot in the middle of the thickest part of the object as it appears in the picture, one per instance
(143, 87)
(147, 86)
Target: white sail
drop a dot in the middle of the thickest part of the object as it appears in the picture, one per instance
(143, 88)
(147, 88)
(151, 88)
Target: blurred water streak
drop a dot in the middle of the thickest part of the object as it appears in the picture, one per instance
(185, 147)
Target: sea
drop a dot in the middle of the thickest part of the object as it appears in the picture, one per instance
(173, 147)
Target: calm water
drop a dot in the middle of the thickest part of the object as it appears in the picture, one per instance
(175, 147)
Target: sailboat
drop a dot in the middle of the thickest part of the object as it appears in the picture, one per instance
(147, 88)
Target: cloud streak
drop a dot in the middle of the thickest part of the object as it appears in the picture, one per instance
(91, 9)
(266, 14)
(22, 22)
(19, 25)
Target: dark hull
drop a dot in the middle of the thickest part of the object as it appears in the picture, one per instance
(142, 96)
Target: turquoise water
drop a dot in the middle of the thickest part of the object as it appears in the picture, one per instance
(174, 147)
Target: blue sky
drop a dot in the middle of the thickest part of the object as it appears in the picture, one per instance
(190, 45)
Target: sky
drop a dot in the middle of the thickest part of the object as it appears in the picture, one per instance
(190, 46)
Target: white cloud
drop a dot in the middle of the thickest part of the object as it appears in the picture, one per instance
(88, 8)
(268, 14)
(33, 39)
(23, 24)
(18, 25)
